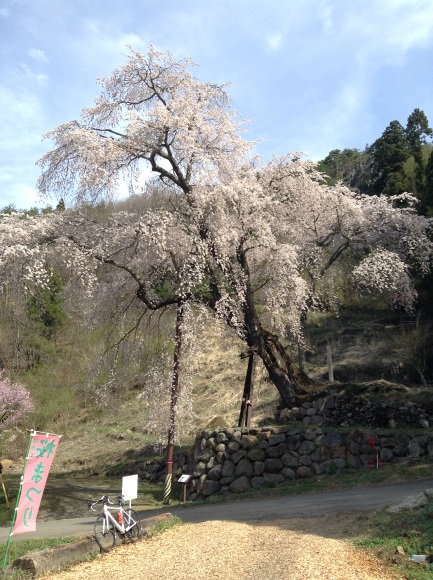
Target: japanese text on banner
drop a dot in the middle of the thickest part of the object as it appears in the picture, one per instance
(42, 449)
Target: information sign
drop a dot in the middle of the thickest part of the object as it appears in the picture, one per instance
(130, 487)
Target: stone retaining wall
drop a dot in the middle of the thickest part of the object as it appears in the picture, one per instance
(230, 460)
(315, 440)
(348, 409)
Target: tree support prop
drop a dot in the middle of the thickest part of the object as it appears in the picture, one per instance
(246, 404)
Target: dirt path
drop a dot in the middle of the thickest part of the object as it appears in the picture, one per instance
(295, 549)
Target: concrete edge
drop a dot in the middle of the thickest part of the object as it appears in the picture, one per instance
(39, 563)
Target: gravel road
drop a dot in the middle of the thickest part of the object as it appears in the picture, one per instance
(295, 549)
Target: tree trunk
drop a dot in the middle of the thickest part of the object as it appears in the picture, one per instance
(301, 350)
(276, 359)
(301, 358)
(173, 402)
(280, 367)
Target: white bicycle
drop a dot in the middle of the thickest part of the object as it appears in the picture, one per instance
(107, 527)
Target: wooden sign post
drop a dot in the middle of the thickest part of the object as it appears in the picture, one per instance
(183, 479)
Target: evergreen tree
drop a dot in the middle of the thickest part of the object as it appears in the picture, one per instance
(389, 154)
(341, 165)
(427, 198)
(398, 161)
(417, 131)
(45, 306)
(60, 207)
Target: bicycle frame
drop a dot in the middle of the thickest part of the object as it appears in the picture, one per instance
(109, 518)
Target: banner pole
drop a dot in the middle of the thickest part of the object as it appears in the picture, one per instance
(5, 493)
(16, 503)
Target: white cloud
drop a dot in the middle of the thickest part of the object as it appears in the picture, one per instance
(20, 118)
(21, 121)
(41, 79)
(327, 21)
(274, 41)
(414, 30)
(37, 55)
(365, 46)
(384, 36)
(99, 44)
(337, 125)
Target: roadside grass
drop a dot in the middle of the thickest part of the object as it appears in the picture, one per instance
(412, 530)
(163, 526)
(25, 547)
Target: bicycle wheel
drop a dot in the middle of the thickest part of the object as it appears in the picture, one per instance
(130, 518)
(104, 534)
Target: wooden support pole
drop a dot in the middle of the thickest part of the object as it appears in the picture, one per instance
(249, 402)
(329, 359)
(246, 404)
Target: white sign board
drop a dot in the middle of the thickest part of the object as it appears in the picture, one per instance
(184, 478)
(130, 487)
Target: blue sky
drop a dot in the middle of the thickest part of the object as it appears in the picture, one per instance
(314, 75)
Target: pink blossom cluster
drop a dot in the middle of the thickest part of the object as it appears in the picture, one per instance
(15, 401)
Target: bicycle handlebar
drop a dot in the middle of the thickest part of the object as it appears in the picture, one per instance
(104, 499)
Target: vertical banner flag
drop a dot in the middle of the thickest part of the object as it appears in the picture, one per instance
(42, 449)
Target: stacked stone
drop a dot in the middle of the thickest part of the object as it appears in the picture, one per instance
(230, 460)
(345, 409)
(155, 470)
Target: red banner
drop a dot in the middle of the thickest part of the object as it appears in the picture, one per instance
(42, 449)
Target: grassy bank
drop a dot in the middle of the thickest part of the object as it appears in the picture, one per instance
(25, 547)
(394, 538)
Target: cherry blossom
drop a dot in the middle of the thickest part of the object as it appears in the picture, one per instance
(256, 244)
(14, 401)
(153, 111)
